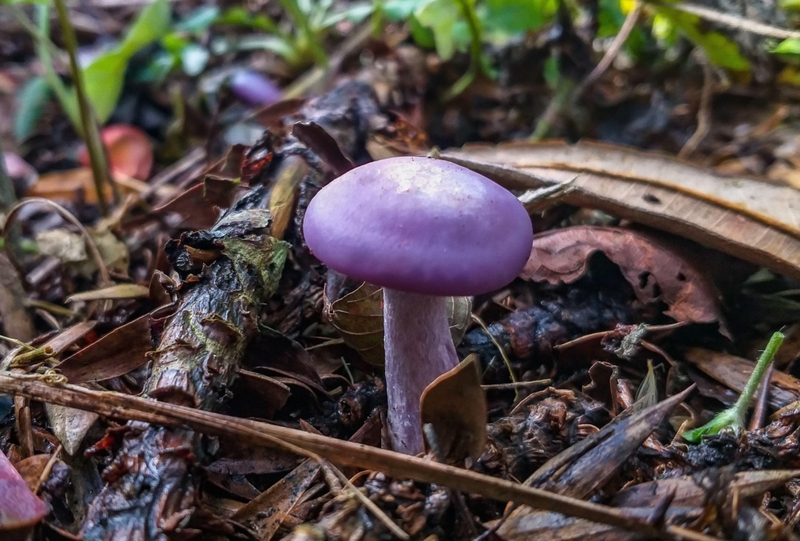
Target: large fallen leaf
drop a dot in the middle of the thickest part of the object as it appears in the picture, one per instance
(20, 510)
(752, 219)
(655, 273)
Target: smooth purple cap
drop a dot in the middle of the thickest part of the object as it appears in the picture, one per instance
(420, 225)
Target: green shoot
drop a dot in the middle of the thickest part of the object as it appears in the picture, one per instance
(734, 416)
(88, 126)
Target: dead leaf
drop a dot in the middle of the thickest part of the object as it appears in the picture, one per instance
(31, 469)
(70, 425)
(265, 513)
(733, 372)
(117, 353)
(749, 218)
(455, 406)
(116, 292)
(358, 316)
(128, 148)
(21, 510)
(284, 195)
(320, 141)
(273, 393)
(655, 273)
(197, 210)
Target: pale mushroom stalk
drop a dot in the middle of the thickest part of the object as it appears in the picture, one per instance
(412, 364)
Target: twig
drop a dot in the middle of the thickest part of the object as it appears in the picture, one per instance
(704, 110)
(48, 468)
(613, 50)
(731, 21)
(89, 131)
(120, 406)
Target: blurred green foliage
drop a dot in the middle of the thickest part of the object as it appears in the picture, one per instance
(449, 27)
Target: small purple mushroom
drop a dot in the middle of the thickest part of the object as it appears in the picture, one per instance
(423, 229)
(253, 88)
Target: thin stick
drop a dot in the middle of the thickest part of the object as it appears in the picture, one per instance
(613, 50)
(704, 110)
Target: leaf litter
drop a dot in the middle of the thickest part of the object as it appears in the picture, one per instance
(259, 370)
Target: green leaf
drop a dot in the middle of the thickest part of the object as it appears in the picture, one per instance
(401, 10)
(719, 49)
(440, 16)
(199, 20)
(422, 36)
(32, 98)
(151, 24)
(789, 5)
(789, 46)
(104, 79)
(512, 17)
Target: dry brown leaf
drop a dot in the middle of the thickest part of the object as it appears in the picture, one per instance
(265, 513)
(733, 372)
(115, 292)
(752, 219)
(198, 205)
(455, 406)
(31, 469)
(655, 273)
(358, 316)
(115, 354)
(272, 393)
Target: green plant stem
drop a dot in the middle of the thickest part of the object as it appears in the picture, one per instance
(734, 416)
(475, 49)
(311, 38)
(7, 200)
(89, 130)
(753, 383)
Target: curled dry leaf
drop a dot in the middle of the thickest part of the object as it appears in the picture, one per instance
(655, 274)
(20, 510)
(455, 407)
(358, 316)
(749, 218)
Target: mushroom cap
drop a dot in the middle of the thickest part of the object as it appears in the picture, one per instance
(420, 225)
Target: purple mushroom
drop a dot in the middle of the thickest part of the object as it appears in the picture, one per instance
(424, 229)
(253, 88)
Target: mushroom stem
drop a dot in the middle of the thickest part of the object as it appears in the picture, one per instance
(419, 348)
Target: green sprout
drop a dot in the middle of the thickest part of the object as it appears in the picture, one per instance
(733, 417)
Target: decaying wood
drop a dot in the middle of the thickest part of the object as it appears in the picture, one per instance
(152, 487)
